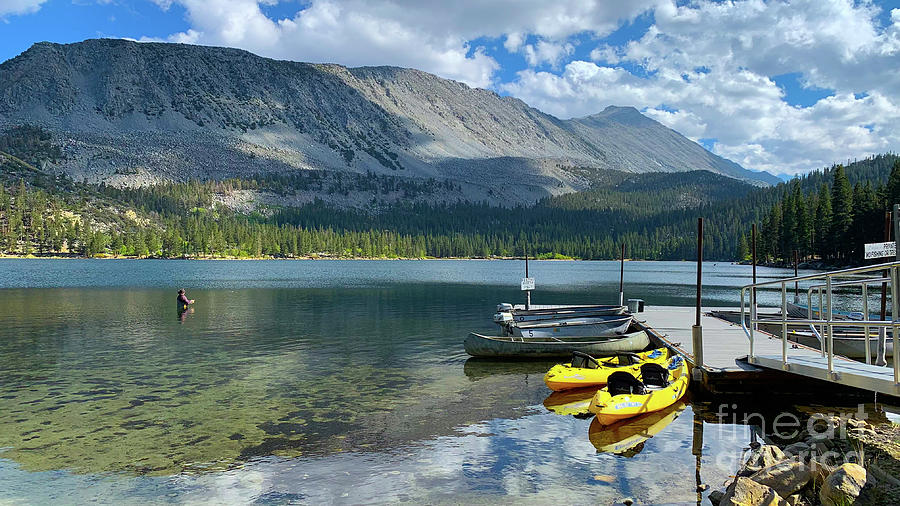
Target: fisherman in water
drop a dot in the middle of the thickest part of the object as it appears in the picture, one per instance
(183, 302)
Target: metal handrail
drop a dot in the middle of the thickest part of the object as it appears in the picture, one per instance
(828, 324)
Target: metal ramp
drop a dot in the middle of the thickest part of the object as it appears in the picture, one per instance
(822, 322)
(849, 373)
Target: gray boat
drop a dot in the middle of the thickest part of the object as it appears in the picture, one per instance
(479, 345)
(508, 312)
(595, 326)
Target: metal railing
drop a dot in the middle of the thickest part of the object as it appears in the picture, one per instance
(832, 280)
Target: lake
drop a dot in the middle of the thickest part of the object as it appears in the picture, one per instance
(319, 382)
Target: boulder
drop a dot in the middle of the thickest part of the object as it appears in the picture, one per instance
(762, 457)
(797, 449)
(746, 492)
(796, 500)
(715, 497)
(862, 432)
(843, 486)
(785, 477)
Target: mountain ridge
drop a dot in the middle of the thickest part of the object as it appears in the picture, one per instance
(133, 113)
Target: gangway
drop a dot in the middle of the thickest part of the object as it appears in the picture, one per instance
(822, 365)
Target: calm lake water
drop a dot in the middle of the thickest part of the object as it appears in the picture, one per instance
(319, 382)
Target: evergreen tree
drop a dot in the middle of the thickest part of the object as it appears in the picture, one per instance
(823, 223)
(892, 188)
(842, 213)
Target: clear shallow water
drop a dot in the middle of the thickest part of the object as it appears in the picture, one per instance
(314, 381)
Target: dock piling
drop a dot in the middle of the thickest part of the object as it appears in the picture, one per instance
(527, 292)
(697, 330)
(622, 277)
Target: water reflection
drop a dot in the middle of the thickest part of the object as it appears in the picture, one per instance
(627, 437)
(573, 402)
(183, 312)
(307, 390)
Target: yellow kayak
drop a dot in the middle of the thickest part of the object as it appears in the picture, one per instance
(571, 402)
(655, 389)
(585, 370)
(623, 437)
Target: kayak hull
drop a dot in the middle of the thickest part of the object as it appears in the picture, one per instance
(613, 408)
(564, 376)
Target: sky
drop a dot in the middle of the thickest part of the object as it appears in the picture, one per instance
(782, 86)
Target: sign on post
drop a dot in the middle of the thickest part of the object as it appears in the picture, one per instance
(881, 250)
(527, 284)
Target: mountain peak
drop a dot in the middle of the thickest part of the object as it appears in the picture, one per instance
(181, 111)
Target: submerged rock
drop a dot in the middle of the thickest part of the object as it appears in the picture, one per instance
(843, 486)
(746, 492)
(785, 477)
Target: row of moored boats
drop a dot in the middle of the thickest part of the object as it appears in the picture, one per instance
(611, 372)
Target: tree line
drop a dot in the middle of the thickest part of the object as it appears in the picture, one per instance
(831, 222)
(826, 214)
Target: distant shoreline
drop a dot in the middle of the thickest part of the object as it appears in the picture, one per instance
(327, 258)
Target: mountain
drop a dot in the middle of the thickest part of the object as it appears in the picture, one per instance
(129, 113)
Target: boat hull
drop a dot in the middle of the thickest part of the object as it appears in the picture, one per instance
(599, 327)
(613, 408)
(478, 345)
(562, 313)
(564, 376)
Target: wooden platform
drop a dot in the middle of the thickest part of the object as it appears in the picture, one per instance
(723, 342)
(726, 369)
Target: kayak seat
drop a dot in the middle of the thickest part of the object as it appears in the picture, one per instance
(621, 382)
(626, 359)
(654, 376)
(584, 361)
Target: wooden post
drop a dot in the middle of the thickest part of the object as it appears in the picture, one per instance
(527, 292)
(887, 237)
(796, 273)
(622, 278)
(697, 330)
(699, 266)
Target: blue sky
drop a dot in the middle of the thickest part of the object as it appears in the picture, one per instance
(784, 86)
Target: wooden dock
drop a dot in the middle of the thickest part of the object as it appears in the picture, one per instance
(727, 370)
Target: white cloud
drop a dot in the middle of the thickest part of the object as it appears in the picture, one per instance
(16, 7)
(547, 52)
(709, 73)
(431, 35)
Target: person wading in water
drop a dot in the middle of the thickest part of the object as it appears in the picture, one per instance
(183, 302)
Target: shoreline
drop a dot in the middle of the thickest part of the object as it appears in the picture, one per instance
(317, 257)
(836, 460)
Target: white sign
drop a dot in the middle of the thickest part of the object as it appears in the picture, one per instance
(881, 250)
(527, 283)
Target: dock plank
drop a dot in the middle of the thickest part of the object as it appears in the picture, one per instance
(723, 342)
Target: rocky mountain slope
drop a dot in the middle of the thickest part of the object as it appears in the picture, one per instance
(130, 113)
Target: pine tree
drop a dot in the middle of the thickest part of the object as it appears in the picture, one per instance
(842, 213)
(823, 223)
(892, 188)
(804, 224)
